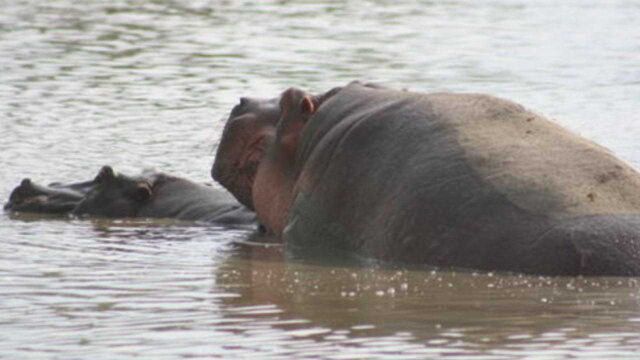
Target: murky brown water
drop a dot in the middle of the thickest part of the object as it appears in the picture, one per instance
(145, 83)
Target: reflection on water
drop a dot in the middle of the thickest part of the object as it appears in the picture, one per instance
(371, 312)
(137, 83)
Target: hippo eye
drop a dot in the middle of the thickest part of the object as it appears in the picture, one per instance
(142, 192)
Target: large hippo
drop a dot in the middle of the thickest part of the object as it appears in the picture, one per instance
(452, 180)
(151, 194)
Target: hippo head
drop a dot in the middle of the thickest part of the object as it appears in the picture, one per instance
(115, 195)
(247, 132)
(273, 187)
(24, 196)
(52, 199)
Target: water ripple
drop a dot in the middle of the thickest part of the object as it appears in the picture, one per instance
(145, 83)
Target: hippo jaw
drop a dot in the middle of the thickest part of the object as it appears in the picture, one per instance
(237, 173)
(250, 130)
(246, 134)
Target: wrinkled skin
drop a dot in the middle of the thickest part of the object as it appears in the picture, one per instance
(150, 195)
(451, 180)
(275, 179)
(56, 198)
(249, 130)
(249, 126)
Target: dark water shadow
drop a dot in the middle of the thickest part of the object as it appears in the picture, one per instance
(346, 302)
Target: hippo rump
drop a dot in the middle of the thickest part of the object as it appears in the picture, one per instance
(150, 195)
(451, 180)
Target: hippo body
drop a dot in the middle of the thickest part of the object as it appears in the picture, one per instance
(453, 180)
(149, 195)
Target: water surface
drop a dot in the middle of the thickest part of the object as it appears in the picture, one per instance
(146, 83)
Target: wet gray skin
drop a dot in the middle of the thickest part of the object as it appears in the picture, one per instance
(158, 195)
(112, 195)
(55, 198)
(452, 180)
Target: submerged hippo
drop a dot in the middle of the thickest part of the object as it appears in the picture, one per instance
(152, 195)
(454, 180)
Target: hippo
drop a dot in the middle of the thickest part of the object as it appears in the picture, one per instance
(151, 195)
(449, 180)
(158, 195)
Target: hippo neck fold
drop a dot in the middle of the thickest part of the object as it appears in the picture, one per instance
(273, 188)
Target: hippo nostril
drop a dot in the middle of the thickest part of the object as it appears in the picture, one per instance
(25, 182)
(243, 101)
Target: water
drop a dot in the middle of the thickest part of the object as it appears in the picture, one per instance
(146, 83)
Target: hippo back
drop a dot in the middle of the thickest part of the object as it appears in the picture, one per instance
(452, 179)
(183, 199)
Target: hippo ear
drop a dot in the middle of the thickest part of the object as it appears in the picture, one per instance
(142, 192)
(307, 105)
(106, 174)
